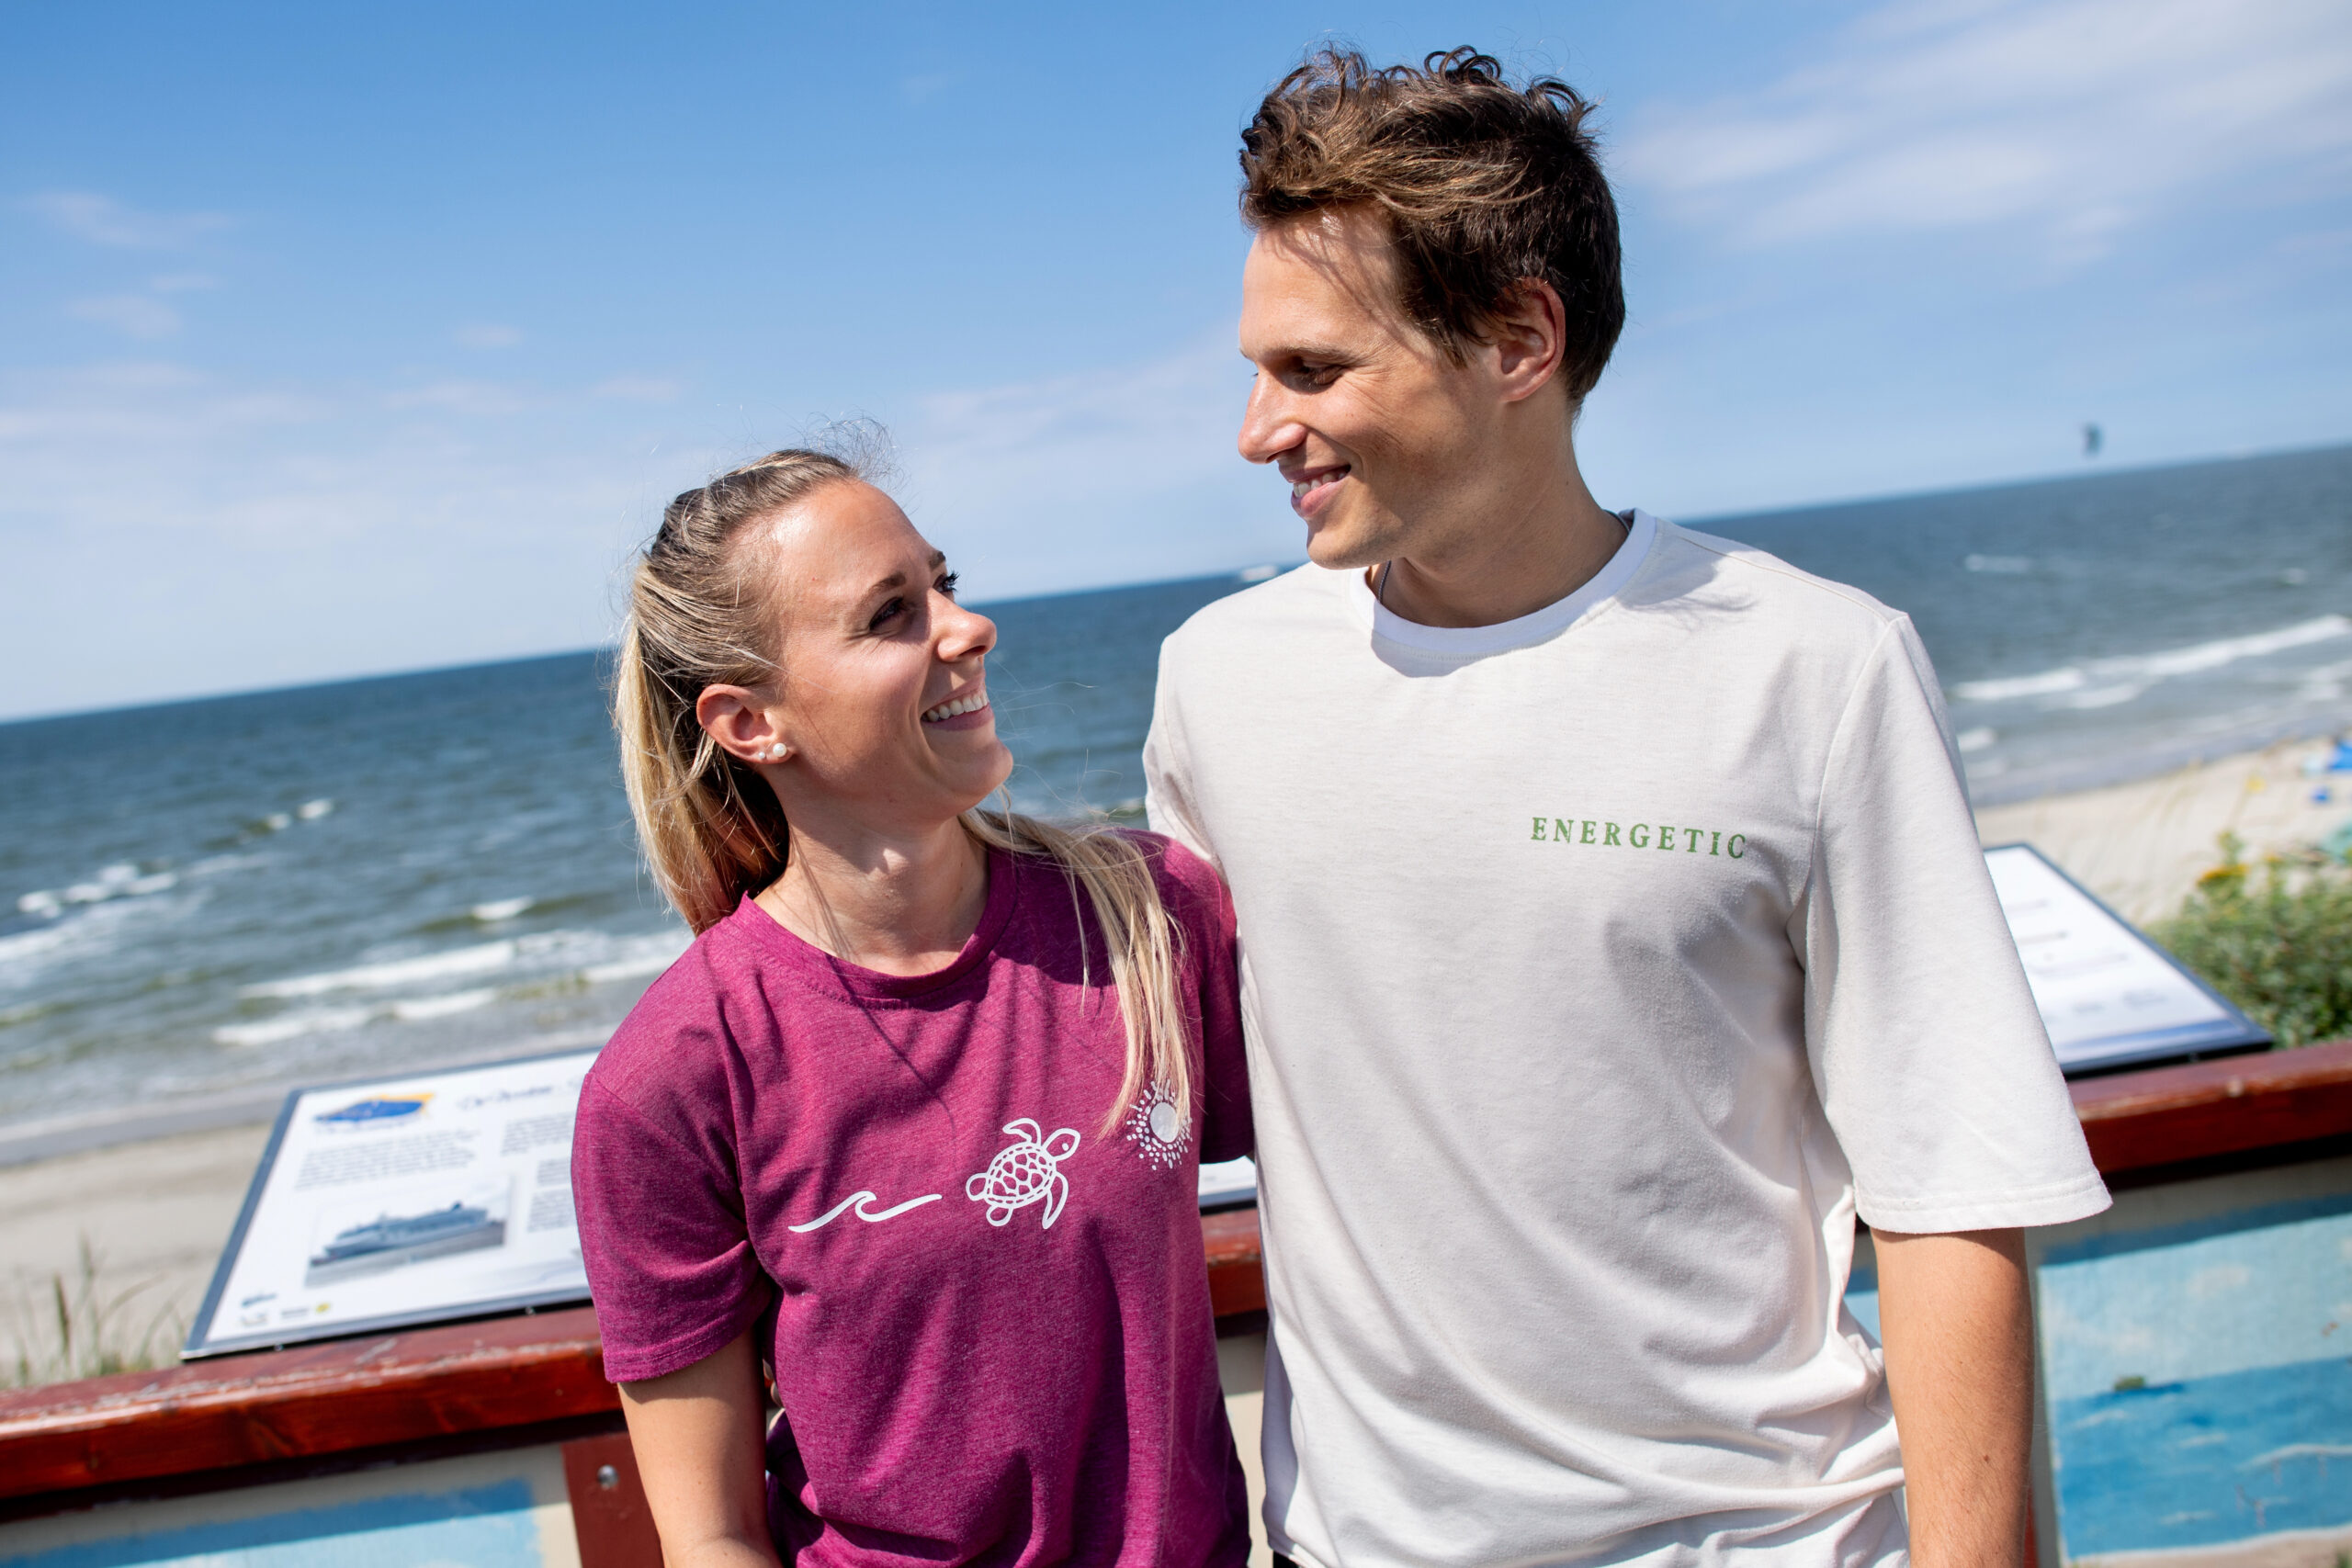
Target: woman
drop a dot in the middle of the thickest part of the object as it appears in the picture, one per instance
(916, 1121)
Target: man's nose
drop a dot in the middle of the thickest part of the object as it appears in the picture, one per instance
(1268, 428)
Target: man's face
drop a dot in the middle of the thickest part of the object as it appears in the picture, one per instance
(1379, 433)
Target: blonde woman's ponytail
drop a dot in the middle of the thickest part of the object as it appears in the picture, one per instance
(712, 828)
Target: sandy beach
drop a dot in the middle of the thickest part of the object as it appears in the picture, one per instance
(2142, 845)
(156, 1212)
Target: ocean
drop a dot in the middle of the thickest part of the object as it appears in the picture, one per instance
(202, 903)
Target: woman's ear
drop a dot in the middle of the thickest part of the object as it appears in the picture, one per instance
(741, 724)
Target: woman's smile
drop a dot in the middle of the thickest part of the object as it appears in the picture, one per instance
(968, 710)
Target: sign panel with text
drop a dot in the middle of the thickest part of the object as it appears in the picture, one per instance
(2109, 996)
(404, 1200)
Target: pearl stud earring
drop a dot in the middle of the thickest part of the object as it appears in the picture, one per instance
(775, 753)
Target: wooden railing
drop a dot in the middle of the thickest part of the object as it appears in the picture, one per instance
(533, 1374)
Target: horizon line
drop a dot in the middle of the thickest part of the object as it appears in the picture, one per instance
(592, 651)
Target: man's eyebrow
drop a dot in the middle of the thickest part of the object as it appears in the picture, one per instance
(1303, 351)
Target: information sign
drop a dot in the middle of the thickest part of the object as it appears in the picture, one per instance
(419, 1200)
(1228, 1184)
(404, 1200)
(2107, 995)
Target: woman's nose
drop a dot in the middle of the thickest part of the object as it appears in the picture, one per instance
(963, 633)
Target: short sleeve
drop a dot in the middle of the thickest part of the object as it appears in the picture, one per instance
(1167, 767)
(662, 1234)
(1927, 1049)
(1206, 912)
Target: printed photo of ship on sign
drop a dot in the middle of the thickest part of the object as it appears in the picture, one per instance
(394, 1241)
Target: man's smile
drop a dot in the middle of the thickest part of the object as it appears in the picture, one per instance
(1310, 488)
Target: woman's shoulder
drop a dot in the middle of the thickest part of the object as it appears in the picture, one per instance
(674, 1048)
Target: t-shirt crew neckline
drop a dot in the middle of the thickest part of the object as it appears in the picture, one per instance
(1466, 642)
(816, 967)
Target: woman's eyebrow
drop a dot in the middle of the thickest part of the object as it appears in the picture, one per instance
(899, 579)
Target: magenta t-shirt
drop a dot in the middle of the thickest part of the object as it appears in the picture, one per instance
(989, 1321)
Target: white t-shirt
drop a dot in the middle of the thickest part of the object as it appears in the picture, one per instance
(1598, 968)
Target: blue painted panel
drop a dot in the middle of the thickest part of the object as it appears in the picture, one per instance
(483, 1527)
(2272, 1290)
(2210, 1461)
(2198, 1379)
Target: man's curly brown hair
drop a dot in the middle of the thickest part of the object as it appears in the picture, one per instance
(1484, 187)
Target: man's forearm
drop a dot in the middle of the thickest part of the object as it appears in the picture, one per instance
(1958, 1325)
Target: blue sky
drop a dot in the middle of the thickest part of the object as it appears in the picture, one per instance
(336, 340)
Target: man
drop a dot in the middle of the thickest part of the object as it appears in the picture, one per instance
(1614, 929)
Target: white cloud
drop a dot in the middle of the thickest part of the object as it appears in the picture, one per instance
(478, 398)
(1106, 476)
(2081, 116)
(133, 315)
(62, 433)
(1092, 436)
(192, 531)
(102, 221)
(638, 388)
(197, 530)
(488, 334)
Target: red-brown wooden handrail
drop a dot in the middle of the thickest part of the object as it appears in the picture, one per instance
(299, 1402)
(2170, 1115)
(386, 1390)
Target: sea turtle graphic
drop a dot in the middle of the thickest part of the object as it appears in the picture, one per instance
(1021, 1175)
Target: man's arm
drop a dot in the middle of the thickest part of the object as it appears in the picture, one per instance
(702, 1454)
(1958, 1327)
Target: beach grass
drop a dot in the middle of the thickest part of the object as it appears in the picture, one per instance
(2275, 938)
(91, 1327)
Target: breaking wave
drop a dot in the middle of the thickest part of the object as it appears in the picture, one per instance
(2102, 682)
(527, 966)
(481, 960)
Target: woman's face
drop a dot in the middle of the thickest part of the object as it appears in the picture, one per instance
(882, 701)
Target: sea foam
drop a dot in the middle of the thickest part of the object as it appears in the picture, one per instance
(2101, 679)
(479, 959)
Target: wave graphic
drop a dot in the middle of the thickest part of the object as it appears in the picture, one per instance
(2101, 683)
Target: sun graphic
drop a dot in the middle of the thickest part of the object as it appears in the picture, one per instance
(1157, 1128)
